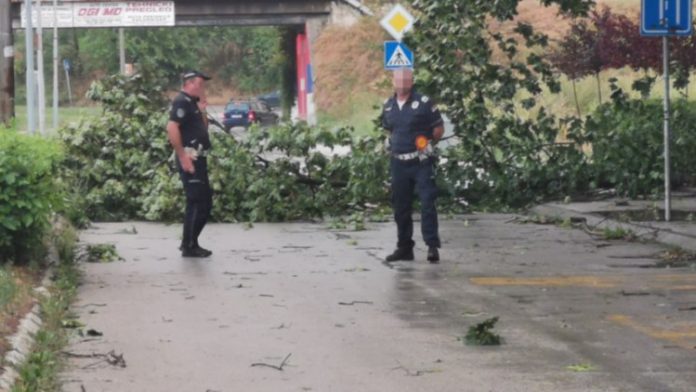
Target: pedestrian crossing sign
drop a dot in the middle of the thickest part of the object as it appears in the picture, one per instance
(397, 55)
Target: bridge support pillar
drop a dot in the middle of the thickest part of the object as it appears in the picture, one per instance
(306, 85)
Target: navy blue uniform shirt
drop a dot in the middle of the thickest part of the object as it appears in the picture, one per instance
(418, 116)
(186, 113)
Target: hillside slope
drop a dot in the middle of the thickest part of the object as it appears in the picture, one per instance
(348, 60)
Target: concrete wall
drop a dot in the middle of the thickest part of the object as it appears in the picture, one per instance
(347, 12)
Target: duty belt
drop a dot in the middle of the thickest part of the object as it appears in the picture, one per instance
(409, 156)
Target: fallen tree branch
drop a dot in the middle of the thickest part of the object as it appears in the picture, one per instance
(355, 303)
(111, 358)
(279, 368)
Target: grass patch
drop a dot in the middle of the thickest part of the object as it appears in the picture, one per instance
(539, 220)
(16, 299)
(618, 233)
(357, 113)
(8, 288)
(40, 372)
(66, 115)
(676, 258)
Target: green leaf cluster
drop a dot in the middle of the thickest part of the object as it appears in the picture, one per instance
(111, 160)
(511, 151)
(29, 192)
(482, 334)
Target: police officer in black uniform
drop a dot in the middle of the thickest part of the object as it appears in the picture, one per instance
(415, 125)
(188, 134)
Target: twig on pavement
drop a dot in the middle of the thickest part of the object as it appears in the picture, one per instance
(355, 303)
(279, 368)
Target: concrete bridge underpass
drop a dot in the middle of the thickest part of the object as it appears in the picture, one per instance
(305, 17)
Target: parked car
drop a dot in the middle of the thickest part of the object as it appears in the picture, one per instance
(244, 113)
(271, 99)
(264, 113)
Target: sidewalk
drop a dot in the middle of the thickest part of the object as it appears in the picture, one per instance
(645, 218)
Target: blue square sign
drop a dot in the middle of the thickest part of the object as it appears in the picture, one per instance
(397, 55)
(665, 17)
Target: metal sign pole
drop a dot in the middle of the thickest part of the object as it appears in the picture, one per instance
(67, 82)
(31, 86)
(40, 81)
(668, 187)
(55, 65)
(122, 50)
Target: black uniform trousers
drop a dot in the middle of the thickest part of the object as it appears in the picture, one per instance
(199, 201)
(407, 177)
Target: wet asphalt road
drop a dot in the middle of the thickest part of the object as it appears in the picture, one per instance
(576, 313)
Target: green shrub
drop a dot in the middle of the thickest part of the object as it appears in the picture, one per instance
(627, 145)
(29, 192)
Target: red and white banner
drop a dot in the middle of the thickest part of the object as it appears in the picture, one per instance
(121, 14)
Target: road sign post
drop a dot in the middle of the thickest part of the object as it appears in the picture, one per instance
(66, 67)
(665, 18)
(31, 86)
(667, 132)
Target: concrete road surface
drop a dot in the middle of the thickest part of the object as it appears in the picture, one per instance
(576, 313)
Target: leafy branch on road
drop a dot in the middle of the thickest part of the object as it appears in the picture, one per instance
(482, 334)
(101, 253)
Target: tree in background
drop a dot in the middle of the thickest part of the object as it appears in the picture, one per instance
(246, 59)
(573, 54)
(505, 158)
(607, 40)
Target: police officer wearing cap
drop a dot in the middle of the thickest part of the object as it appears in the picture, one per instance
(415, 125)
(188, 134)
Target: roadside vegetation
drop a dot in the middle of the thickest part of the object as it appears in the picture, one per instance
(42, 367)
(494, 80)
(33, 197)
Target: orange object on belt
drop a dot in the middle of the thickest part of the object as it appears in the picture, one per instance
(421, 143)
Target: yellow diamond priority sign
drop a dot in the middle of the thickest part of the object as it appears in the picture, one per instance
(397, 22)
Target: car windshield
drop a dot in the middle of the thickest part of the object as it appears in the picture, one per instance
(236, 106)
(260, 106)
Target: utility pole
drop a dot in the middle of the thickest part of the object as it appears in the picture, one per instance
(31, 85)
(40, 80)
(122, 50)
(667, 131)
(6, 64)
(55, 65)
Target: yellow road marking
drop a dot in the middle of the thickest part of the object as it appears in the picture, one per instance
(678, 337)
(551, 281)
(685, 282)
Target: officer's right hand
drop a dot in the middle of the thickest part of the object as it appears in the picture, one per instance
(187, 164)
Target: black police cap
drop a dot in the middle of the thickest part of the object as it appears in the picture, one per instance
(193, 74)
